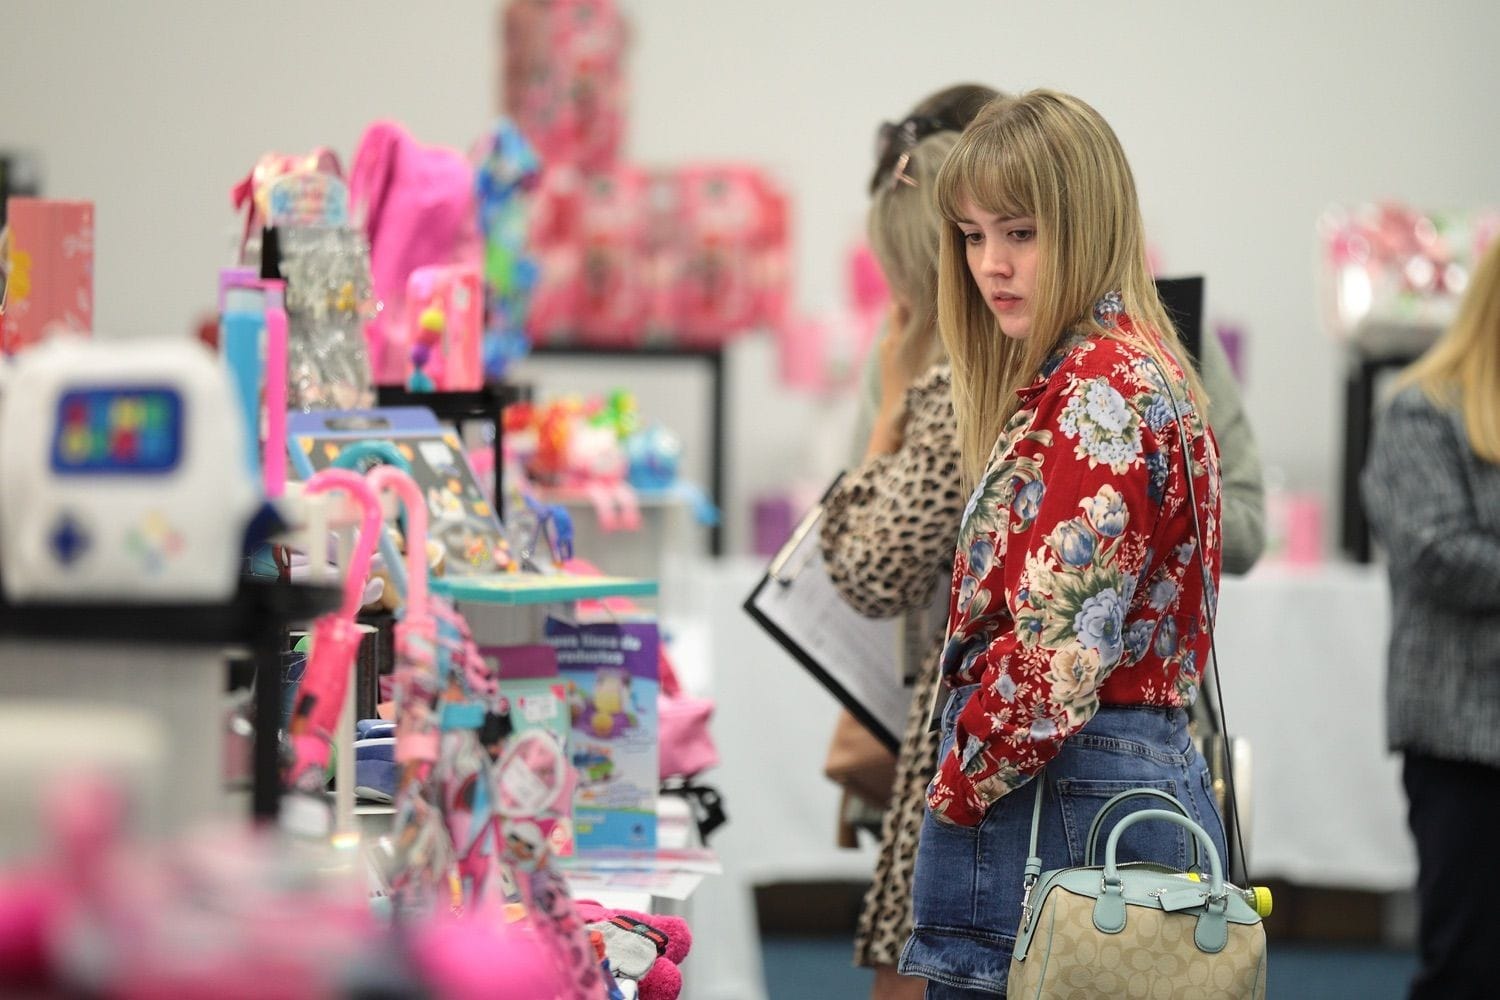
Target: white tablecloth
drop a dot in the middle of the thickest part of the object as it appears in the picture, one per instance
(1302, 658)
(1303, 668)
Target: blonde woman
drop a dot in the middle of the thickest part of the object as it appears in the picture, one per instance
(1077, 628)
(888, 528)
(1432, 491)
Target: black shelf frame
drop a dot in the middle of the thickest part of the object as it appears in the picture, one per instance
(710, 357)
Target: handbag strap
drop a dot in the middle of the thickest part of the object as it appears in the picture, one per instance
(1209, 600)
(1033, 859)
(1033, 870)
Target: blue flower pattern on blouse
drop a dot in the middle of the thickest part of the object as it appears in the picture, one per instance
(1074, 567)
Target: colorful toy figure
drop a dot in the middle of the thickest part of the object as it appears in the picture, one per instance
(504, 178)
(654, 456)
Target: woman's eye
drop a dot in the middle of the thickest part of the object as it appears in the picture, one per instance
(1022, 235)
(973, 238)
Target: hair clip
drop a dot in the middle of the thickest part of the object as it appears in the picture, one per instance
(1108, 309)
(899, 174)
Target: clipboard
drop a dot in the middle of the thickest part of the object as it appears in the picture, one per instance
(857, 659)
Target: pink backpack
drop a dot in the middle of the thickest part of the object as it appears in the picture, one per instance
(419, 209)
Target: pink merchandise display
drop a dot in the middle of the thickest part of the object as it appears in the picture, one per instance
(728, 248)
(1389, 265)
(614, 275)
(565, 78)
(554, 244)
(445, 315)
(419, 209)
(50, 283)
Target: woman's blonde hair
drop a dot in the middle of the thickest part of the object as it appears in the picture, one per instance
(1052, 157)
(904, 229)
(1462, 370)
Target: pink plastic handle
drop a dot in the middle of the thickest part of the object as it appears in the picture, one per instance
(274, 460)
(388, 477)
(369, 531)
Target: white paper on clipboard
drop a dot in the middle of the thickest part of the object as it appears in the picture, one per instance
(857, 659)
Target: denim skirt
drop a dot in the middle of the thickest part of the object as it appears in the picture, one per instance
(966, 891)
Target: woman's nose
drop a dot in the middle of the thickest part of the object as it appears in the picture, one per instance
(996, 262)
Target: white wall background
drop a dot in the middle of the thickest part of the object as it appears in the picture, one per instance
(1242, 122)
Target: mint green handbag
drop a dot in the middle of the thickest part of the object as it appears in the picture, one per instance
(1137, 929)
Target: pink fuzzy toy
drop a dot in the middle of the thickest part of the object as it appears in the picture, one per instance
(670, 935)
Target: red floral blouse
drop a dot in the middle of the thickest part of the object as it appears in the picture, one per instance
(1075, 581)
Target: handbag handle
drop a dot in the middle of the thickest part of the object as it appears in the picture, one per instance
(1211, 930)
(1215, 869)
(1093, 838)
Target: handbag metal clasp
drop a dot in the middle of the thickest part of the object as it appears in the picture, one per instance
(1027, 884)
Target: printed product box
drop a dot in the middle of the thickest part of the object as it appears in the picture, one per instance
(610, 671)
(50, 288)
(529, 680)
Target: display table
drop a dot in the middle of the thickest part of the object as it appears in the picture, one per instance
(1303, 668)
(1303, 665)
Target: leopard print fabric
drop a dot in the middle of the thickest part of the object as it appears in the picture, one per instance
(890, 526)
(887, 538)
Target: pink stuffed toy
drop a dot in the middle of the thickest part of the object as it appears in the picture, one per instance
(630, 938)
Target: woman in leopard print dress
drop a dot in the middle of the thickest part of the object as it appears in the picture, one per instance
(888, 528)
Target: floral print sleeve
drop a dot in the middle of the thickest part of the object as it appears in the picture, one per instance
(1074, 581)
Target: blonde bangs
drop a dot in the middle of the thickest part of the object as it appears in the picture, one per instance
(1052, 158)
(984, 169)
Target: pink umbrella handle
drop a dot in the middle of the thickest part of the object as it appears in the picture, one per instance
(388, 477)
(369, 531)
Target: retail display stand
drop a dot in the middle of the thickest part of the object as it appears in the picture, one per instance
(510, 609)
(168, 659)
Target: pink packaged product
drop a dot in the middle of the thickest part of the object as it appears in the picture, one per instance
(445, 316)
(565, 78)
(419, 209)
(252, 195)
(552, 241)
(613, 283)
(538, 700)
(729, 270)
(50, 284)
